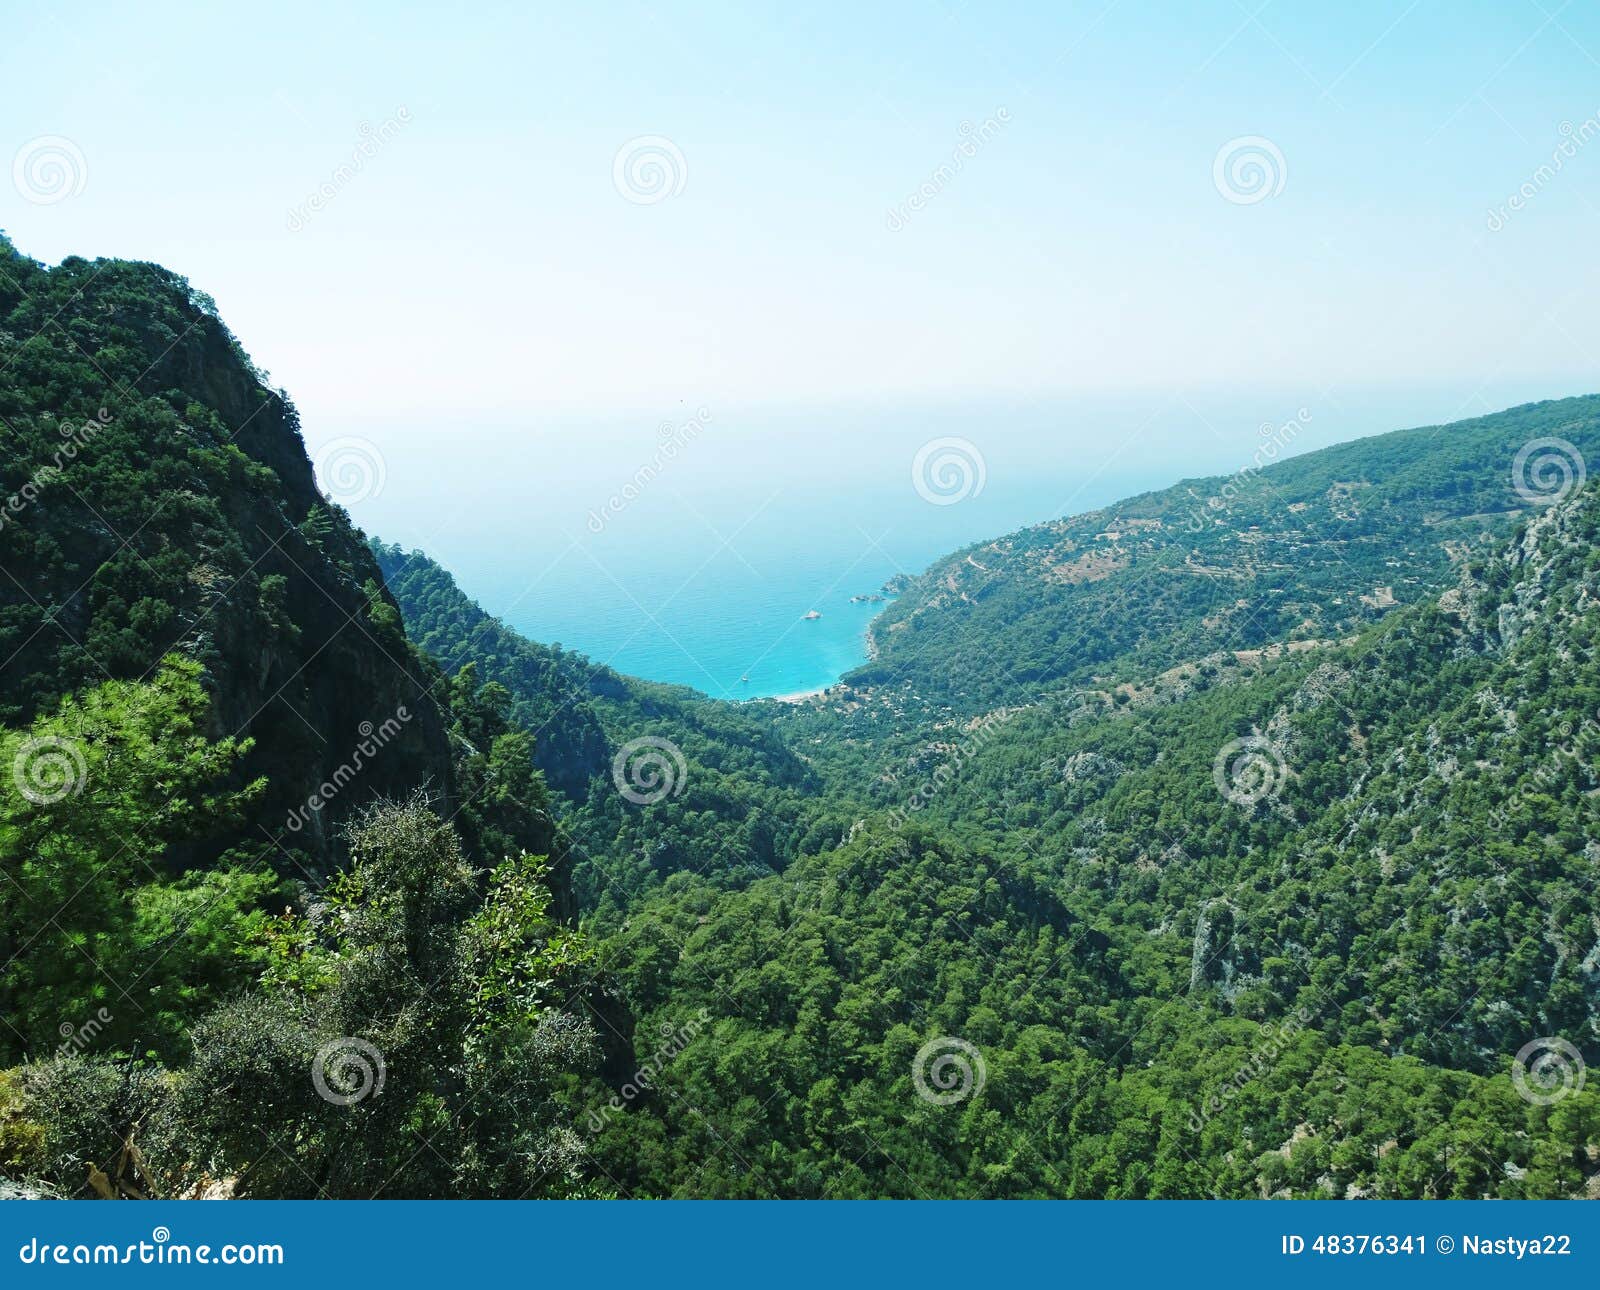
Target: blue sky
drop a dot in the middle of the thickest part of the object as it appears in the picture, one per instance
(483, 265)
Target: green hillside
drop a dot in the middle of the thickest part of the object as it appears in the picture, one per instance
(1309, 548)
(1238, 840)
(1315, 987)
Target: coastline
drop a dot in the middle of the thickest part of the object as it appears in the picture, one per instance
(799, 696)
(871, 642)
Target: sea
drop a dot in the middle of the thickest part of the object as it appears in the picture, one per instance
(738, 551)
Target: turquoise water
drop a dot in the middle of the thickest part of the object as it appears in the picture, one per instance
(666, 592)
(704, 573)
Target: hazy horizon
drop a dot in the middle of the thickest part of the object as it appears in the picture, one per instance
(491, 256)
(845, 205)
(701, 575)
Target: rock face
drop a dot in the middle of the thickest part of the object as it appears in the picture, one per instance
(1218, 959)
(164, 504)
(1543, 560)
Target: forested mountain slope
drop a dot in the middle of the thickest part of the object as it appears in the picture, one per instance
(731, 799)
(259, 855)
(1308, 548)
(1290, 919)
(552, 691)
(1183, 849)
(1295, 933)
(161, 503)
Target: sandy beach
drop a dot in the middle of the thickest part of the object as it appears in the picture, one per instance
(799, 696)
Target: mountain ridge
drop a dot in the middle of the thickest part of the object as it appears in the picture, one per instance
(187, 519)
(1171, 850)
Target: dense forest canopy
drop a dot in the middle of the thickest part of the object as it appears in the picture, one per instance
(1237, 840)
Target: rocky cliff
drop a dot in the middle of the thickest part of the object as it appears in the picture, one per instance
(156, 499)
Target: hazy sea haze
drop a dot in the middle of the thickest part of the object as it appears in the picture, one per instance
(703, 575)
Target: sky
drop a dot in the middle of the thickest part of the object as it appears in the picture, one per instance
(500, 256)
(491, 259)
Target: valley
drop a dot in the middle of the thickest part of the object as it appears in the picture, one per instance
(1240, 839)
